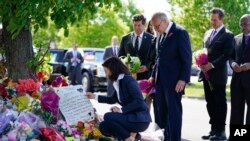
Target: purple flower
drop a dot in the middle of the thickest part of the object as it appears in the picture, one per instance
(59, 79)
(54, 83)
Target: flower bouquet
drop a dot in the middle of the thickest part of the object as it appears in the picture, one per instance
(133, 63)
(146, 87)
(201, 58)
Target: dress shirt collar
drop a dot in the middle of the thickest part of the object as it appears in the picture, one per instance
(138, 35)
(247, 34)
(121, 76)
(168, 28)
(219, 28)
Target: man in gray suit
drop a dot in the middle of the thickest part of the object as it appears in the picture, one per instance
(111, 51)
(75, 60)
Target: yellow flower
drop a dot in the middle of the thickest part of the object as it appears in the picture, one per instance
(12, 84)
(86, 131)
(96, 132)
(35, 95)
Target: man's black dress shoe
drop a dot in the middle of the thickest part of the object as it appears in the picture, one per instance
(219, 136)
(210, 134)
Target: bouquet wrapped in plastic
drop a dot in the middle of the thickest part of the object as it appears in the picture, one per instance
(201, 59)
(146, 87)
(133, 63)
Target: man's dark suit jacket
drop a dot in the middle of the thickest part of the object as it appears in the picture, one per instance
(241, 55)
(131, 100)
(109, 52)
(174, 57)
(219, 51)
(126, 47)
(174, 60)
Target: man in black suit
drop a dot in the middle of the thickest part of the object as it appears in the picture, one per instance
(170, 75)
(219, 44)
(75, 60)
(240, 63)
(110, 51)
(138, 43)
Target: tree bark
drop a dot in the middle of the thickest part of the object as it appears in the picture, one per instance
(18, 51)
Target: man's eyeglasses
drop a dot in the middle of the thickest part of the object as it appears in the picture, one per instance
(158, 26)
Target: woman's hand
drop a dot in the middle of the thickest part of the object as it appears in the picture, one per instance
(115, 109)
(90, 95)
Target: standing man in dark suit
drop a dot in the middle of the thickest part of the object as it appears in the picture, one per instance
(172, 72)
(240, 63)
(75, 60)
(111, 51)
(219, 44)
(138, 43)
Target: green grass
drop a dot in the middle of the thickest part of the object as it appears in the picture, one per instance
(196, 90)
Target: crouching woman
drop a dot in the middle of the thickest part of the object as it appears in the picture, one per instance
(134, 116)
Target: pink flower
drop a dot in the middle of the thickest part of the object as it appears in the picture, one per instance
(145, 86)
(27, 86)
(54, 84)
(202, 59)
(3, 91)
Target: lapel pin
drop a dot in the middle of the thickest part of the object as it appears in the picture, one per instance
(170, 34)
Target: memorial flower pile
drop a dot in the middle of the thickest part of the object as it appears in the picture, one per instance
(28, 112)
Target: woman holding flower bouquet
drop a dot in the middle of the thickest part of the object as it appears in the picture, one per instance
(134, 116)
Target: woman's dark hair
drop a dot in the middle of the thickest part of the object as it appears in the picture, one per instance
(116, 67)
(148, 28)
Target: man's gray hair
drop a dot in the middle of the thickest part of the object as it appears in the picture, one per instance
(160, 16)
(245, 16)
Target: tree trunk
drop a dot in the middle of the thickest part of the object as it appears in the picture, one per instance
(18, 52)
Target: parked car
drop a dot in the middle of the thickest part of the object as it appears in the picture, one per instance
(195, 70)
(56, 61)
(92, 71)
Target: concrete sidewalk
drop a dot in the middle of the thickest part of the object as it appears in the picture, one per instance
(195, 120)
